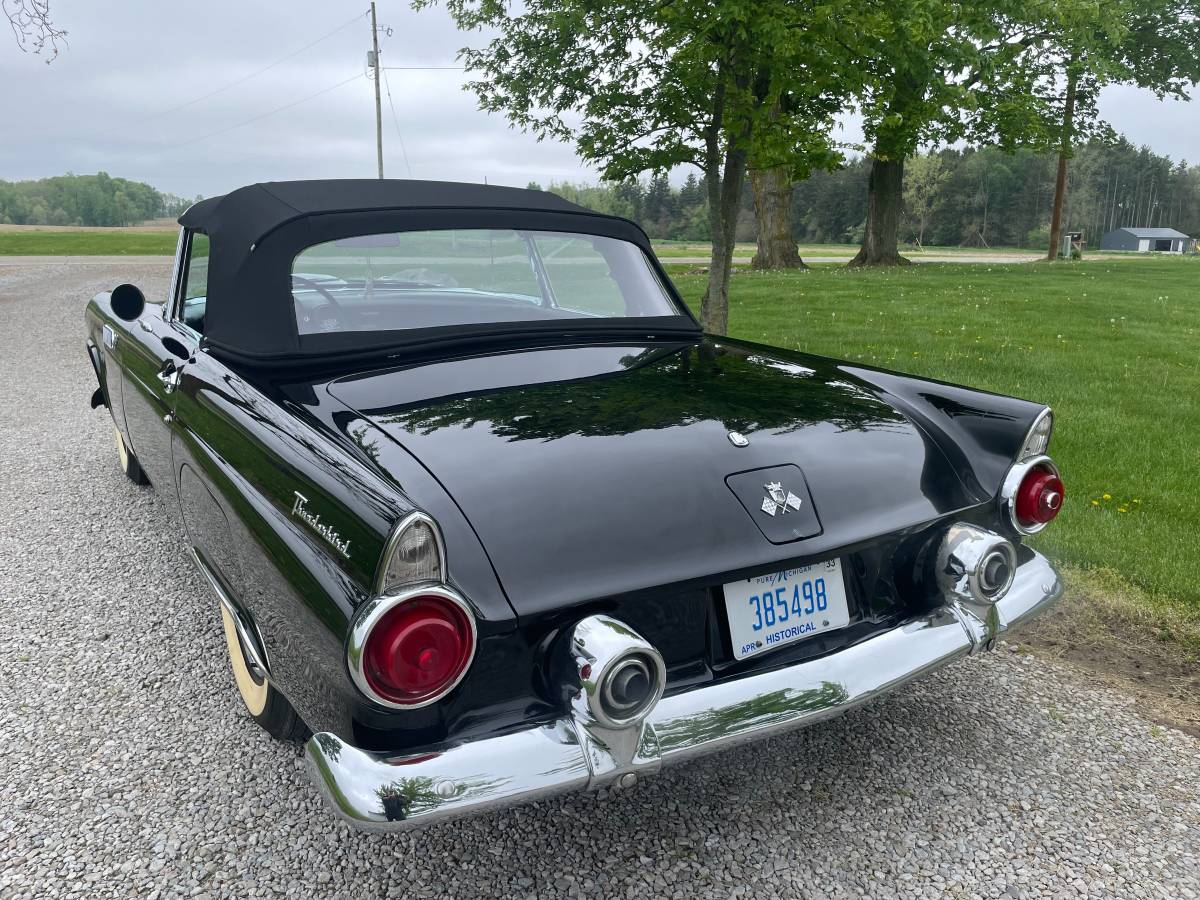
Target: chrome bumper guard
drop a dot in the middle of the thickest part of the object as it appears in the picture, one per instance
(380, 792)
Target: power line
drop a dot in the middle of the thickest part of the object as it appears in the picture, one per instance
(396, 122)
(279, 109)
(246, 78)
(426, 68)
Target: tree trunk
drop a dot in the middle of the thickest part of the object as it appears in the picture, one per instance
(885, 198)
(1060, 180)
(725, 195)
(777, 248)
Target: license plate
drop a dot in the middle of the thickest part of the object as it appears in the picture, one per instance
(769, 611)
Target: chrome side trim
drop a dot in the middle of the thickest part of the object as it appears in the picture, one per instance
(372, 611)
(173, 303)
(256, 654)
(1012, 482)
(376, 791)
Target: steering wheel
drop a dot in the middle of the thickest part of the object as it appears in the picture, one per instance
(338, 312)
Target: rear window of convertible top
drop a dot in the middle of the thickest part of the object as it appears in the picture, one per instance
(426, 279)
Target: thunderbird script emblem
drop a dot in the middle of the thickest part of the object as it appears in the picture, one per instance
(300, 511)
(778, 501)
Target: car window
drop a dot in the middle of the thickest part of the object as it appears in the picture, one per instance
(195, 276)
(195, 283)
(579, 275)
(423, 279)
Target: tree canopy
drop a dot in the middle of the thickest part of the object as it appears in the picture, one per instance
(84, 200)
(645, 87)
(966, 196)
(1087, 46)
(939, 71)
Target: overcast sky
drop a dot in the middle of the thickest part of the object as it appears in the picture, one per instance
(104, 103)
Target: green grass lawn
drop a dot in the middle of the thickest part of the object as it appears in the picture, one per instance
(668, 250)
(87, 243)
(1114, 348)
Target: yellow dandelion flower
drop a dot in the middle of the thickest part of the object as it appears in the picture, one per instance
(1122, 509)
(1108, 496)
(1095, 503)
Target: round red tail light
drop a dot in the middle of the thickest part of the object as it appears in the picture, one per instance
(1039, 497)
(415, 648)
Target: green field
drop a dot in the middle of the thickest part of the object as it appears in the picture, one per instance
(87, 243)
(1114, 348)
(668, 250)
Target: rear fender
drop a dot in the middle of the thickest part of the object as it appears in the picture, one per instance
(105, 335)
(980, 433)
(100, 395)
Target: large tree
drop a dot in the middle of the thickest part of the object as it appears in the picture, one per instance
(777, 247)
(1089, 46)
(645, 87)
(937, 71)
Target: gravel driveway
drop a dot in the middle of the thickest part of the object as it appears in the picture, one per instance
(129, 767)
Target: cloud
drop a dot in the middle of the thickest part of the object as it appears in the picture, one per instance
(1169, 127)
(105, 102)
(100, 105)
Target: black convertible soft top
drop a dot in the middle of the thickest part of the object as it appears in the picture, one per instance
(258, 209)
(256, 231)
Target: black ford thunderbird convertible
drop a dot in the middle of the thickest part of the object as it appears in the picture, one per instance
(489, 517)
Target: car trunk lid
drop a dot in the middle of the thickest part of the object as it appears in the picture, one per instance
(601, 470)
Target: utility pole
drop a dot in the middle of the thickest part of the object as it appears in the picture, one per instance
(1060, 181)
(378, 104)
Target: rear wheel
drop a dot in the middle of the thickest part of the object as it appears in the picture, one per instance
(269, 708)
(129, 463)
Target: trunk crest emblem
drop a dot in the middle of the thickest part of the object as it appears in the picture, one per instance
(738, 439)
(779, 500)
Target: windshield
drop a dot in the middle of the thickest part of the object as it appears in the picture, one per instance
(426, 279)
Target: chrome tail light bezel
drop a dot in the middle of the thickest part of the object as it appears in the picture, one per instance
(387, 597)
(1012, 486)
(373, 612)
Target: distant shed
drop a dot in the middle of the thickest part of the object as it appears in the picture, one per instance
(1146, 240)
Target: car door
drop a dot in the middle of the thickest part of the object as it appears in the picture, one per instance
(153, 358)
(198, 424)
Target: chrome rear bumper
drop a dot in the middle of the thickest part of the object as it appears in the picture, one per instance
(381, 792)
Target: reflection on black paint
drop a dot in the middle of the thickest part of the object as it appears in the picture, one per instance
(956, 409)
(744, 391)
